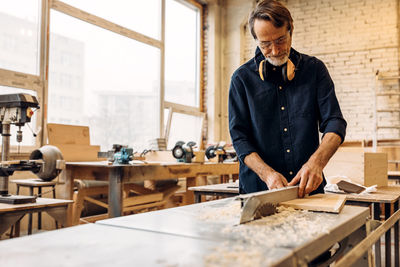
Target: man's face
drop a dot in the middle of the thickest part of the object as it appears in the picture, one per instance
(274, 42)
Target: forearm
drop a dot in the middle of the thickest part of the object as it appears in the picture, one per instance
(330, 143)
(271, 178)
(257, 165)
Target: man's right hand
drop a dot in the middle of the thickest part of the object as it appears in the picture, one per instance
(274, 180)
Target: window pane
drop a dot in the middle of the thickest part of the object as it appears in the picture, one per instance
(104, 80)
(28, 138)
(182, 54)
(20, 35)
(138, 15)
(185, 128)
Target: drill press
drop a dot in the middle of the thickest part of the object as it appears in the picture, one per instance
(14, 109)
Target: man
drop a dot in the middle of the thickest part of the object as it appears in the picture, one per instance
(277, 103)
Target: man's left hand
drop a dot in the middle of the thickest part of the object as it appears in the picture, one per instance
(309, 176)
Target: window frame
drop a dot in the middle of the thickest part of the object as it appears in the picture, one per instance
(39, 83)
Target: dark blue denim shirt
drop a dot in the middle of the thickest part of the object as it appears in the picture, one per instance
(281, 121)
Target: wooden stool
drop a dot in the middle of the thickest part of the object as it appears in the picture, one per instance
(31, 184)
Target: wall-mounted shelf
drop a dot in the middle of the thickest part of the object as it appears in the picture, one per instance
(379, 77)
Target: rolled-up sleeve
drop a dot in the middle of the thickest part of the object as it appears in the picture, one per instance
(330, 115)
(239, 117)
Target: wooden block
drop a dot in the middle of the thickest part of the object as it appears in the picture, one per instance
(79, 152)
(319, 202)
(164, 156)
(375, 169)
(365, 168)
(199, 156)
(68, 134)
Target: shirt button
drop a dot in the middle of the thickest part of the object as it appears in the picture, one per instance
(280, 87)
(288, 150)
(282, 108)
(285, 129)
(291, 173)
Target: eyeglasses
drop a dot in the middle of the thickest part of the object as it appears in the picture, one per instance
(268, 44)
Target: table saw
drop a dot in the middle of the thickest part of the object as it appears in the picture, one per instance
(204, 234)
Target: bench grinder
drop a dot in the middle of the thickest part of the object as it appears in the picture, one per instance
(46, 162)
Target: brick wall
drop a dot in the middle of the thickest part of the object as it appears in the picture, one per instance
(354, 38)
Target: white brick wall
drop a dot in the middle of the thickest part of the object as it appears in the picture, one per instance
(354, 38)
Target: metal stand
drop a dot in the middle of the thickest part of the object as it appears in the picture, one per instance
(5, 150)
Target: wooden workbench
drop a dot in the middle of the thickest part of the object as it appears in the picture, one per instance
(180, 237)
(138, 172)
(11, 213)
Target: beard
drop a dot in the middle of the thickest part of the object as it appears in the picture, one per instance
(278, 60)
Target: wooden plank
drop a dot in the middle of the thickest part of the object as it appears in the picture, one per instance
(221, 188)
(20, 80)
(383, 194)
(358, 166)
(95, 201)
(68, 134)
(76, 152)
(40, 203)
(318, 202)
(195, 111)
(138, 189)
(353, 143)
(95, 20)
(137, 200)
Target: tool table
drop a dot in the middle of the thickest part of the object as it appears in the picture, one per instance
(138, 172)
(388, 196)
(179, 237)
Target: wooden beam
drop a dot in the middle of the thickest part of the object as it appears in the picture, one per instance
(100, 22)
(20, 80)
(358, 251)
(137, 200)
(194, 111)
(97, 202)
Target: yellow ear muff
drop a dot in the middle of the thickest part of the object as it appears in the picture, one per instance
(290, 69)
(260, 69)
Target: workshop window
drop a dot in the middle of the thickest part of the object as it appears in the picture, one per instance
(20, 35)
(182, 53)
(185, 128)
(110, 83)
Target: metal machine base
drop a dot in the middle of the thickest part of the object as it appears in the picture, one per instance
(17, 199)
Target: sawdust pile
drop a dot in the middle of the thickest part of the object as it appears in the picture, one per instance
(286, 229)
(218, 214)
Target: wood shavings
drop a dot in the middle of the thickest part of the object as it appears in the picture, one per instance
(287, 229)
(217, 214)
